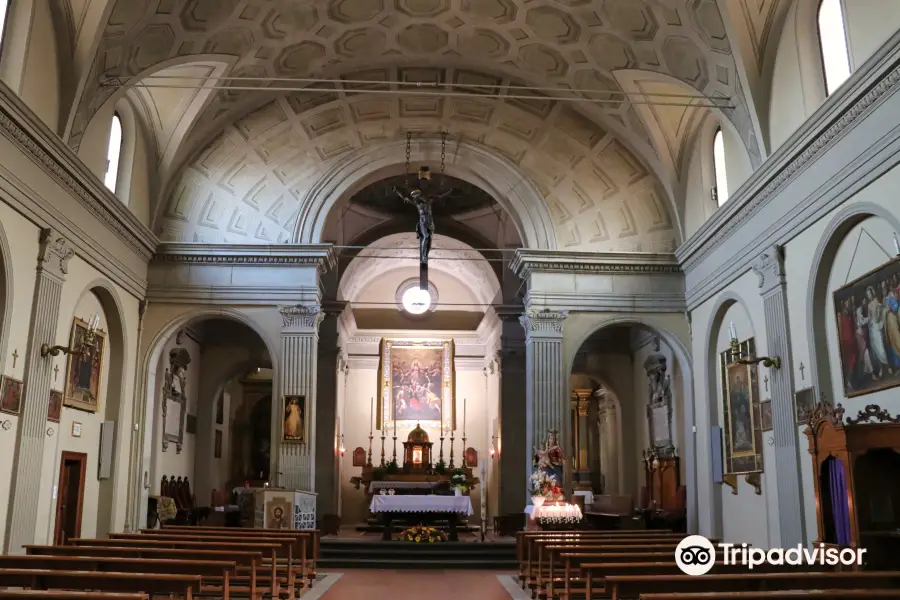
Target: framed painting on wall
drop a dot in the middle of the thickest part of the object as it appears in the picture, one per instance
(765, 415)
(741, 411)
(804, 403)
(868, 330)
(11, 395)
(54, 409)
(417, 384)
(293, 427)
(84, 371)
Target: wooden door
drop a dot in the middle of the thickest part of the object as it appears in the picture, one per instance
(69, 496)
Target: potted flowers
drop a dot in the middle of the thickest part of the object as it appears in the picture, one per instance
(459, 482)
(421, 534)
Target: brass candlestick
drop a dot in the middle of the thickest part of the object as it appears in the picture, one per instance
(452, 438)
(382, 447)
(369, 458)
(464, 465)
(395, 448)
(441, 453)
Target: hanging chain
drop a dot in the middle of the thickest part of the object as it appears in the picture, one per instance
(443, 149)
(408, 142)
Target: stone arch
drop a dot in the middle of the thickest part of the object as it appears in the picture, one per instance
(146, 388)
(818, 295)
(471, 162)
(683, 356)
(109, 507)
(598, 381)
(706, 374)
(6, 295)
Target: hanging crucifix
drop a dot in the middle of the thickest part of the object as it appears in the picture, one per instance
(423, 201)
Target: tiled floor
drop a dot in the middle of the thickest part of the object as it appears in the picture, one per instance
(416, 585)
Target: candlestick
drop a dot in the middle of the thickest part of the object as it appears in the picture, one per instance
(896, 244)
(452, 438)
(382, 447)
(732, 331)
(464, 420)
(441, 454)
(371, 415)
(395, 443)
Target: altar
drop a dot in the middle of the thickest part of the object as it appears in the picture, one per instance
(451, 507)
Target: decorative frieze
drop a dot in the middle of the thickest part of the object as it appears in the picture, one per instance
(528, 261)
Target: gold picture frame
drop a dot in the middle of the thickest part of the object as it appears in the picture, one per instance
(411, 373)
(76, 395)
(11, 392)
(742, 437)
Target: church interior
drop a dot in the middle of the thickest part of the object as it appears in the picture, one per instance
(315, 298)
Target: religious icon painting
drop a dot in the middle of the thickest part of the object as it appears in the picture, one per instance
(742, 413)
(804, 403)
(84, 370)
(471, 458)
(11, 395)
(765, 415)
(359, 457)
(278, 514)
(868, 330)
(54, 410)
(294, 420)
(416, 381)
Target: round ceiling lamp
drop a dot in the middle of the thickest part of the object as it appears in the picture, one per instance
(416, 301)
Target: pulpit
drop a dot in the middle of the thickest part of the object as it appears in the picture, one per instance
(284, 509)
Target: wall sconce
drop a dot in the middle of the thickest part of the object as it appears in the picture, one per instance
(342, 449)
(493, 448)
(770, 362)
(85, 346)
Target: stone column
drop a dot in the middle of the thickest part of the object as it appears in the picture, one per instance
(52, 266)
(582, 440)
(299, 363)
(511, 418)
(772, 287)
(546, 383)
(326, 408)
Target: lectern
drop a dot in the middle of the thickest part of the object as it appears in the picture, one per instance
(284, 509)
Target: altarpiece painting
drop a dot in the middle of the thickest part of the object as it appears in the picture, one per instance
(84, 370)
(416, 379)
(741, 409)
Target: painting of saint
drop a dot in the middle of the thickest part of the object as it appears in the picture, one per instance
(416, 384)
(54, 410)
(84, 370)
(10, 395)
(740, 410)
(294, 419)
(868, 330)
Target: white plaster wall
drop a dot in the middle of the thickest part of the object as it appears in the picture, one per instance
(41, 81)
(869, 24)
(788, 109)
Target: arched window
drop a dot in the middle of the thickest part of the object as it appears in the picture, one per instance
(4, 8)
(113, 153)
(833, 44)
(721, 189)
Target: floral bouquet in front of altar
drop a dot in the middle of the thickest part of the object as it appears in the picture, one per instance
(460, 481)
(421, 534)
(547, 486)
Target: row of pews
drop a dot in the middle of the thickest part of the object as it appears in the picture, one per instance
(186, 561)
(641, 564)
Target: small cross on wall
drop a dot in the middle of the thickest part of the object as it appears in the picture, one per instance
(802, 371)
(766, 381)
(55, 372)
(15, 356)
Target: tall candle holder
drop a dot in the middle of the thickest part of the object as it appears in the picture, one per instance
(452, 438)
(394, 460)
(441, 453)
(382, 448)
(463, 457)
(369, 458)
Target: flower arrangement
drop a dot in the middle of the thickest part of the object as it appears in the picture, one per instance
(459, 480)
(547, 486)
(421, 534)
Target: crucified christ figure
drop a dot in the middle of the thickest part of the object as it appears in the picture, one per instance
(425, 227)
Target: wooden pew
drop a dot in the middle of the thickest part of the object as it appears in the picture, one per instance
(309, 537)
(522, 536)
(779, 595)
(240, 584)
(65, 595)
(620, 587)
(164, 584)
(285, 546)
(268, 550)
(218, 570)
(540, 560)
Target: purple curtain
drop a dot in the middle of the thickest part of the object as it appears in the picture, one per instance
(840, 504)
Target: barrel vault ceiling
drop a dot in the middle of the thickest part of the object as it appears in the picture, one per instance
(234, 166)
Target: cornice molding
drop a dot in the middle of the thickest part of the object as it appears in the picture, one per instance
(291, 255)
(21, 126)
(865, 89)
(527, 261)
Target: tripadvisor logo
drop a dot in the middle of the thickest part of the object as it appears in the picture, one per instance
(696, 555)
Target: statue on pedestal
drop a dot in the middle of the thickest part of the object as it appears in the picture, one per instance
(547, 470)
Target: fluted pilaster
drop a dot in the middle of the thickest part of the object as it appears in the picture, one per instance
(513, 425)
(52, 266)
(770, 269)
(546, 384)
(299, 364)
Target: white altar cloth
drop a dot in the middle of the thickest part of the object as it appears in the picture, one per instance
(400, 485)
(413, 504)
(553, 511)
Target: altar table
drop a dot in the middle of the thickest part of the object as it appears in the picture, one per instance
(451, 506)
(375, 486)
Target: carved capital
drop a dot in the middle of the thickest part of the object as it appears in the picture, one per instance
(769, 267)
(54, 253)
(301, 316)
(544, 322)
